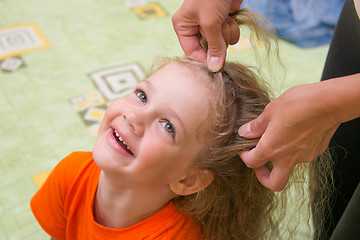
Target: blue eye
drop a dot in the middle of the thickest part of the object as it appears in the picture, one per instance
(169, 127)
(141, 95)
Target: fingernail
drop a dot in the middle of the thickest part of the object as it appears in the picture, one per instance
(214, 64)
(244, 130)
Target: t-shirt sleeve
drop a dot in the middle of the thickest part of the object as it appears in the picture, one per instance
(47, 204)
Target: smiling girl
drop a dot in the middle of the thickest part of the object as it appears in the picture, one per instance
(154, 148)
(165, 164)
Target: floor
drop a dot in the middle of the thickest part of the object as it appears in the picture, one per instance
(62, 62)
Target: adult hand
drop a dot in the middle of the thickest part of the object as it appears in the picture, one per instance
(210, 19)
(296, 127)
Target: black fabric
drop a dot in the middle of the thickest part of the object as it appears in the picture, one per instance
(344, 52)
(348, 227)
(344, 59)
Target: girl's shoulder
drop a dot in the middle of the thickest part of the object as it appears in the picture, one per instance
(76, 160)
(71, 182)
(75, 166)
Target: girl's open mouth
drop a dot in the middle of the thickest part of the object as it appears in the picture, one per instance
(121, 142)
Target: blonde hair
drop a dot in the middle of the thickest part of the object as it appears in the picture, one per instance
(235, 205)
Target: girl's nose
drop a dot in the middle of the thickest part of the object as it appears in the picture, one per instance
(136, 120)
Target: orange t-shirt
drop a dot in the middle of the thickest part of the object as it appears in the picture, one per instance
(64, 208)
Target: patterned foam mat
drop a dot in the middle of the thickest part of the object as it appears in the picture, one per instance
(63, 62)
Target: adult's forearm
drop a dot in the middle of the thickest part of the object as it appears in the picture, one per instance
(340, 97)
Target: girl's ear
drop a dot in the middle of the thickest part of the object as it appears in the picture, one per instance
(193, 183)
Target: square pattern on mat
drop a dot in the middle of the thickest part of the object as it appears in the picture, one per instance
(17, 39)
(111, 83)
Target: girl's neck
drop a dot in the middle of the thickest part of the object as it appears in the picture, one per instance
(119, 207)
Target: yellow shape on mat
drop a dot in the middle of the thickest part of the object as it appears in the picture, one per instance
(18, 39)
(243, 44)
(153, 10)
(40, 178)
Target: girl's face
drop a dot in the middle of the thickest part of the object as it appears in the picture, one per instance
(151, 137)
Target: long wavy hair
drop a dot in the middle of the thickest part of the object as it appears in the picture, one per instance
(235, 205)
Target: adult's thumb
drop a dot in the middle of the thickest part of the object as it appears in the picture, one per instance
(214, 44)
(215, 63)
(253, 129)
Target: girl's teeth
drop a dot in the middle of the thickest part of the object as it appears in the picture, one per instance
(120, 138)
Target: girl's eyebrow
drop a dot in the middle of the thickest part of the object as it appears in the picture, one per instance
(173, 114)
(148, 84)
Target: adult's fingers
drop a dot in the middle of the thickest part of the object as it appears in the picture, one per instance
(192, 48)
(276, 179)
(256, 127)
(230, 31)
(187, 33)
(235, 5)
(253, 158)
(216, 46)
